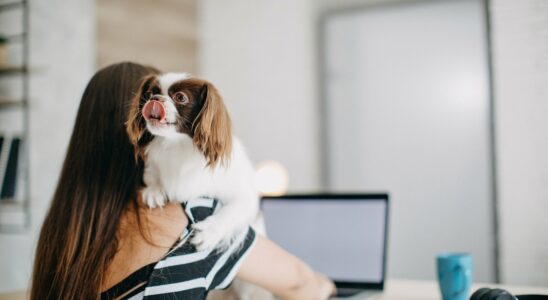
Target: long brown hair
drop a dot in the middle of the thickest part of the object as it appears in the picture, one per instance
(98, 181)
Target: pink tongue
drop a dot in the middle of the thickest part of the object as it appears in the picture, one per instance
(154, 109)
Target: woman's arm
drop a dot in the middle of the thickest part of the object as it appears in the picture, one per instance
(272, 268)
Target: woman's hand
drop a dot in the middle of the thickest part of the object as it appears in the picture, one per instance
(327, 287)
(274, 269)
(319, 287)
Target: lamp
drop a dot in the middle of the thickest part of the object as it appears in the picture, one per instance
(271, 178)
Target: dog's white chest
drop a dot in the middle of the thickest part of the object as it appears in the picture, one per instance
(180, 170)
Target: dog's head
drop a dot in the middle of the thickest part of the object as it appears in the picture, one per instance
(173, 105)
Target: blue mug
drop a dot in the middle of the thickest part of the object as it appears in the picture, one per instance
(454, 275)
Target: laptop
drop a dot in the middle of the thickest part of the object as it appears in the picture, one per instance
(340, 235)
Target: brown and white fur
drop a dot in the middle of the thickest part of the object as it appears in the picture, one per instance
(181, 129)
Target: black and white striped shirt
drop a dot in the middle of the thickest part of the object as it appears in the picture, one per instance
(185, 273)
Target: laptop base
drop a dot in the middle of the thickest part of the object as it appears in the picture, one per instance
(356, 294)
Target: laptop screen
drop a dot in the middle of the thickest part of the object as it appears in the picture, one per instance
(342, 237)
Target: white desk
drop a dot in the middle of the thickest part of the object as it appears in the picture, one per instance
(402, 289)
(396, 289)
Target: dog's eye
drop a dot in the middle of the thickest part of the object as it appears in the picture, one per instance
(180, 97)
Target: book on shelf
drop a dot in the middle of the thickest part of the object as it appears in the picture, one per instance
(9, 164)
(12, 216)
(3, 159)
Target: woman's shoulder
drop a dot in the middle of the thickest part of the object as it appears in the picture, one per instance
(144, 238)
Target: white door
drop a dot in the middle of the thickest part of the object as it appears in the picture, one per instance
(407, 111)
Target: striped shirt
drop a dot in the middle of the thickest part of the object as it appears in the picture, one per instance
(184, 272)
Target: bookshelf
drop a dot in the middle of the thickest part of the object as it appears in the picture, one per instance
(14, 150)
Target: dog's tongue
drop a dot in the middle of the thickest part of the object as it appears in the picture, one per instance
(154, 109)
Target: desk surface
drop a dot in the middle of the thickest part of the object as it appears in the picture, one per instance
(402, 289)
(399, 289)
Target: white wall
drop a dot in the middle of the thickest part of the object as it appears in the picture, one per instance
(408, 112)
(520, 40)
(169, 45)
(62, 55)
(260, 54)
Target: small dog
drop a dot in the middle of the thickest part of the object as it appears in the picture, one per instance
(181, 129)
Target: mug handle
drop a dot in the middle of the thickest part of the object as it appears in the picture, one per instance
(465, 279)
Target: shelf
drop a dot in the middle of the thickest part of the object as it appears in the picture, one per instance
(15, 37)
(10, 103)
(10, 5)
(11, 70)
(10, 203)
(13, 216)
(15, 212)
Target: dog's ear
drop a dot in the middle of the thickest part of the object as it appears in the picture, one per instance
(136, 124)
(212, 129)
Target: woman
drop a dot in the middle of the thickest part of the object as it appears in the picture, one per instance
(99, 241)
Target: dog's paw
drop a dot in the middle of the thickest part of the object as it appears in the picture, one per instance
(153, 197)
(207, 234)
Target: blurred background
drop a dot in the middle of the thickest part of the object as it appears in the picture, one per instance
(440, 103)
